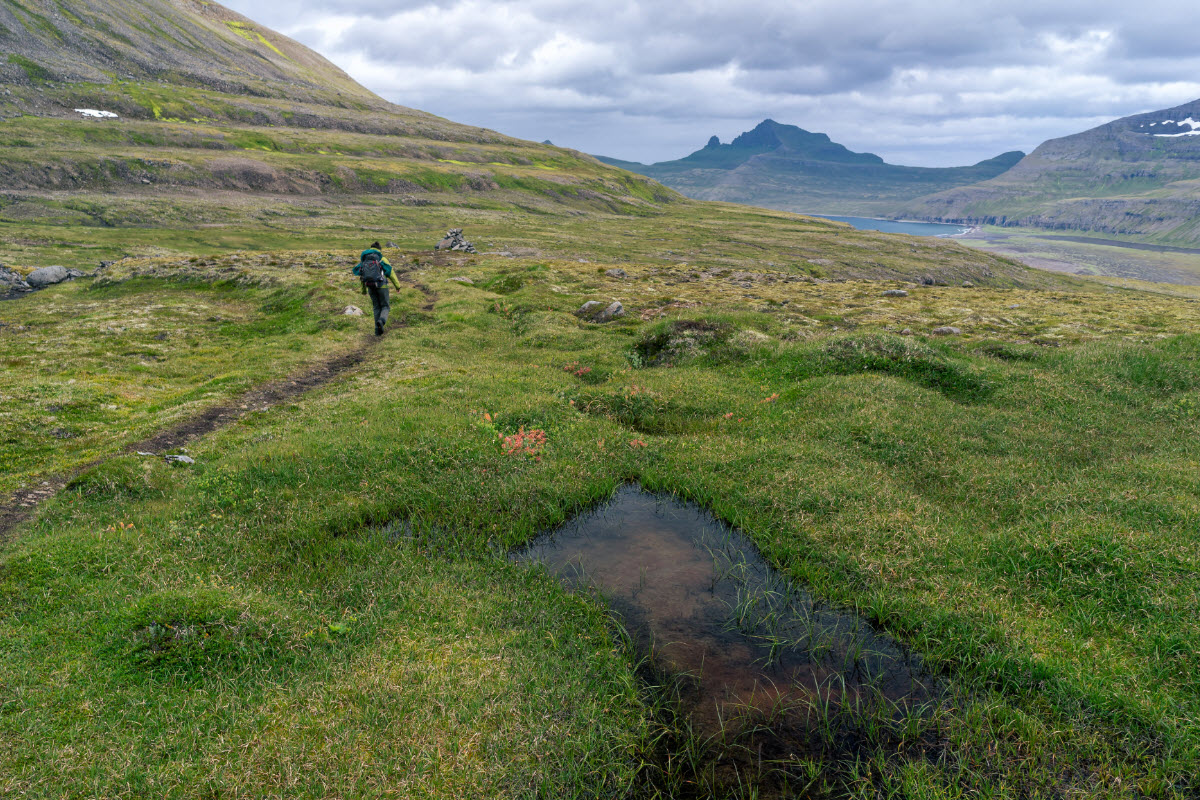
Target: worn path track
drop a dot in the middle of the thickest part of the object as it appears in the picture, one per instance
(22, 505)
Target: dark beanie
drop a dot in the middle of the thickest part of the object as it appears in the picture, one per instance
(375, 246)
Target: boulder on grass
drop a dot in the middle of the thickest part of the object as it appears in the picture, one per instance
(594, 311)
(47, 276)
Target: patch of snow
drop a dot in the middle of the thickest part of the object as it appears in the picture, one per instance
(91, 112)
(1191, 123)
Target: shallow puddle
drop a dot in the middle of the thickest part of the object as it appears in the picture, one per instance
(751, 649)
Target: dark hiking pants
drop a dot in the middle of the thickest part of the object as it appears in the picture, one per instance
(380, 304)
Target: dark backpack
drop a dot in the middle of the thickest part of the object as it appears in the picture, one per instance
(370, 271)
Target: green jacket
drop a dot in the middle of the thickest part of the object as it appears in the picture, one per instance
(387, 267)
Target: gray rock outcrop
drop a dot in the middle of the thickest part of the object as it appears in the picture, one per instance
(946, 330)
(11, 282)
(454, 241)
(594, 311)
(616, 272)
(895, 293)
(47, 276)
(613, 311)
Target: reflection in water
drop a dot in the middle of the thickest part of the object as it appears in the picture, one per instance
(697, 598)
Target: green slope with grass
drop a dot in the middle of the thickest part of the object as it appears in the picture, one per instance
(321, 604)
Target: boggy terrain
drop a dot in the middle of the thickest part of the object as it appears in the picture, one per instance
(321, 603)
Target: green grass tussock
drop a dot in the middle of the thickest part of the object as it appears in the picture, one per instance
(902, 357)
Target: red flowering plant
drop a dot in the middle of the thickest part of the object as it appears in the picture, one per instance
(592, 375)
(522, 443)
(525, 443)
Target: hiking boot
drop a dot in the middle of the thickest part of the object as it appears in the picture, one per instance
(378, 329)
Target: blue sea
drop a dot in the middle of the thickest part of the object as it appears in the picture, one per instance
(894, 226)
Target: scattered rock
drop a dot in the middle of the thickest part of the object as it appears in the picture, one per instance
(615, 273)
(895, 293)
(454, 241)
(353, 311)
(181, 459)
(12, 282)
(462, 279)
(593, 311)
(1015, 305)
(906, 332)
(927, 280)
(946, 330)
(614, 310)
(47, 276)
(392, 245)
(144, 453)
(968, 285)
(161, 337)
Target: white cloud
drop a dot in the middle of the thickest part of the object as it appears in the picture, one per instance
(652, 79)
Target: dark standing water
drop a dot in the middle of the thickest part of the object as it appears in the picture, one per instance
(752, 648)
(898, 226)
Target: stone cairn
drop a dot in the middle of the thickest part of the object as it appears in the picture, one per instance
(454, 241)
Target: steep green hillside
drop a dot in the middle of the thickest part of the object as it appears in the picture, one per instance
(163, 99)
(1138, 176)
(791, 169)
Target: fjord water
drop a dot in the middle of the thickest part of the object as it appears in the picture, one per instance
(700, 602)
(898, 226)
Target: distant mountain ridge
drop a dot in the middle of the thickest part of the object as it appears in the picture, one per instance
(1135, 176)
(791, 169)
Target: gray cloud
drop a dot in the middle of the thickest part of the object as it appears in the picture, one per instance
(925, 82)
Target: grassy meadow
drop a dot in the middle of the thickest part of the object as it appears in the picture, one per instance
(321, 605)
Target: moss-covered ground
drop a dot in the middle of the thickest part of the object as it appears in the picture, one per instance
(321, 606)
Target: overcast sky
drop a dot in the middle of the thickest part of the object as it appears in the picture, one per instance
(923, 82)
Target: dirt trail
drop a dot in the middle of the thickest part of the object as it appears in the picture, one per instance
(24, 503)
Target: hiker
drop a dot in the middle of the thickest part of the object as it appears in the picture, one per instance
(375, 271)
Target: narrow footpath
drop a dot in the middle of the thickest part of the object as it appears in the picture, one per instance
(22, 505)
